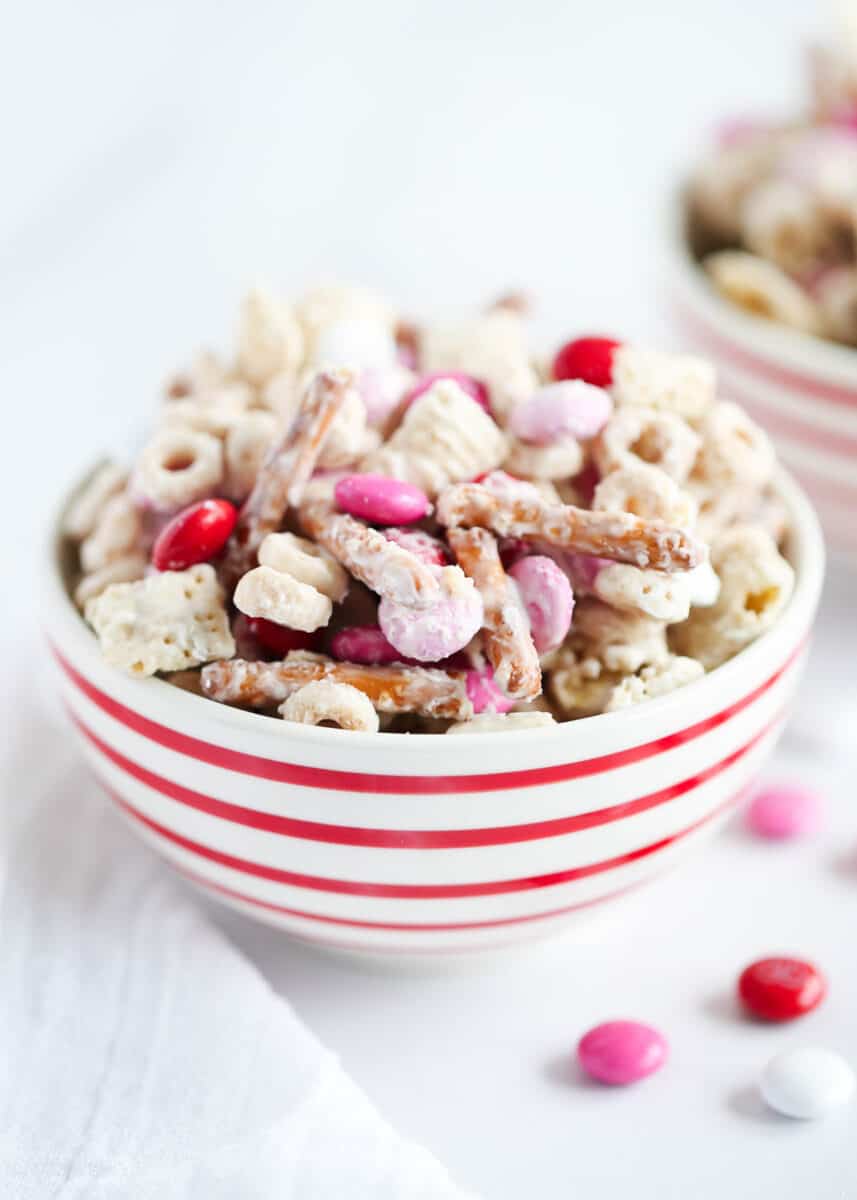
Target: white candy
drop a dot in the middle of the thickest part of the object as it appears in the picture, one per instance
(356, 343)
(807, 1083)
(306, 562)
(264, 592)
(177, 467)
(332, 303)
(165, 622)
(324, 700)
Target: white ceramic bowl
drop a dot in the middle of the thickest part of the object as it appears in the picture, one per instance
(802, 389)
(422, 844)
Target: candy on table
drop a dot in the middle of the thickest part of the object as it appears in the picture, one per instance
(807, 1083)
(195, 535)
(621, 1052)
(780, 989)
(381, 500)
(782, 811)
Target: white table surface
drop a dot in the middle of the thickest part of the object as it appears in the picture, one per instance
(162, 156)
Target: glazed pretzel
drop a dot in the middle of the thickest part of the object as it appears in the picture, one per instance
(506, 635)
(285, 472)
(392, 689)
(618, 536)
(385, 567)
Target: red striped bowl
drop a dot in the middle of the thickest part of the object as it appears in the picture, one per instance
(410, 844)
(802, 389)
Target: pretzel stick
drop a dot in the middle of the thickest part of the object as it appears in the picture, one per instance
(619, 536)
(506, 635)
(385, 567)
(285, 472)
(392, 689)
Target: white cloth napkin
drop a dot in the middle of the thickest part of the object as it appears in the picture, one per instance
(140, 1054)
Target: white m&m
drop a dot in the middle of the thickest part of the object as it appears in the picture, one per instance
(807, 1083)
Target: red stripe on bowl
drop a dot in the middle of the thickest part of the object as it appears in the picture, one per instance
(407, 839)
(417, 891)
(810, 385)
(443, 927)
(351, 781)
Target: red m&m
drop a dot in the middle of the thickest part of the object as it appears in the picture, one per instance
(194, 535)
(586, 358)
(780, 989)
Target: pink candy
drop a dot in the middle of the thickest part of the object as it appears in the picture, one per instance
(381, 500)
(484, 693)
(620, 1052)
(474, 388)
(426, 548)
(547, 597)
(430, 634)
(363, 644)
(570, 408)
(784, 811)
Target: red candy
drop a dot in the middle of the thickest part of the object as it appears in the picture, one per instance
(780, 989)
(279, 639)
(587, 358)
(194, 535)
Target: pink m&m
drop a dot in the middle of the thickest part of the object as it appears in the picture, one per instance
(363, 644)
(547, 597)
(381, 500)
(570, 408)
(433, 633)
(474, 388)
(784, 811)
(620, 1052)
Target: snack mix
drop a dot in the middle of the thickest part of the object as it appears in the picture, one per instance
(374, 524)
(773, 209)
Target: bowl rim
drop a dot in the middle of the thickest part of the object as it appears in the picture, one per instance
(805, 353)
(65, 627)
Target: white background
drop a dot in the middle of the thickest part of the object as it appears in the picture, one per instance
(155, 159)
